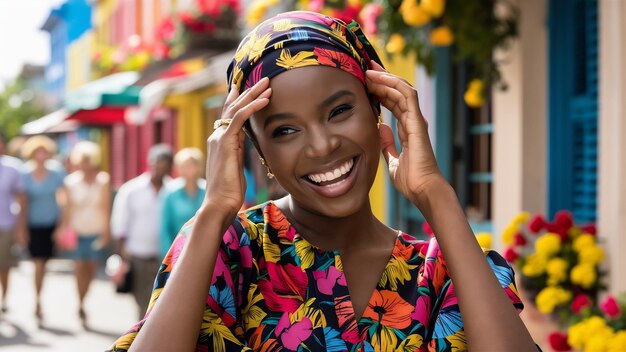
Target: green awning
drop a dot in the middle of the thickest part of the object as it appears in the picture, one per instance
(112, 90)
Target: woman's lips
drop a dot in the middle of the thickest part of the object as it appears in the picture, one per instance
(339, 185)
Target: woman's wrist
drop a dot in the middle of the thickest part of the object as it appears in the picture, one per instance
(435, 187)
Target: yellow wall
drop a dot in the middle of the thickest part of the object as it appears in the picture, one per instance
(404, 67)
(79, 61)
(194, 123)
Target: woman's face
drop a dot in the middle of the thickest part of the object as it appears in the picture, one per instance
(189, 170)
(318, 135)
(40, 155)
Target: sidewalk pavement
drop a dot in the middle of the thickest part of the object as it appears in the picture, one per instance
(109, 314)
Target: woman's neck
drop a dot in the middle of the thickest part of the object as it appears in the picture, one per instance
(344, 234)
(191, 187)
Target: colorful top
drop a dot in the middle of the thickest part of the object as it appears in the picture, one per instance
(272, 290)
(177, 208)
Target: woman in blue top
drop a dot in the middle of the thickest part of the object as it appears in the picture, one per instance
(42, 180)
(184, 199)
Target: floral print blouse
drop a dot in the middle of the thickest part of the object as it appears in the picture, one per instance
(273, 291)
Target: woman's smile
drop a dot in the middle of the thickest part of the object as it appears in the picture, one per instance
(336, 180)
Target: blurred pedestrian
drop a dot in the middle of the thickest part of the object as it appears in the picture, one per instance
(87, 213)
(11, 190)
(135, 222)
(42, 179)
(182, 201)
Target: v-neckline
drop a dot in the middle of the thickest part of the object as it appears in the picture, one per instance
(297, 237)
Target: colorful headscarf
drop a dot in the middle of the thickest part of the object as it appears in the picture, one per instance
(298, 39)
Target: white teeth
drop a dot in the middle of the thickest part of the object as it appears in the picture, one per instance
(333, 174)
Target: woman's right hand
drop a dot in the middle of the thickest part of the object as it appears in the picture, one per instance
(226, 185)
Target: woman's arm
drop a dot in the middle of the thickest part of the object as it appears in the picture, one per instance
(174, 322)
(106, 211)
(490, 321)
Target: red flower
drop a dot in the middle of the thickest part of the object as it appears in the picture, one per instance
(340, 60)
(580, 301)
(348, 14)
(591, 228)
(564, 219)
(558, 341)
(510, 255)
(536, 224)
(610, 307)
(520, 240)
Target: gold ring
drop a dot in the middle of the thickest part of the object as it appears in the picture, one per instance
(221, 122)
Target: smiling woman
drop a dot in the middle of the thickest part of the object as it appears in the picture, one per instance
(316, 270)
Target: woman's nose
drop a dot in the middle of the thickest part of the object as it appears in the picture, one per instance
(321, 142)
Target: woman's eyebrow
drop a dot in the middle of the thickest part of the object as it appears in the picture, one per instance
(276, 117)
(331, 99)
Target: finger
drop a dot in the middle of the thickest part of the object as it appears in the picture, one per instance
(232, 95)
(376, 66)
(391, 98)
(403, 87)
(251, 93)
(243, 114)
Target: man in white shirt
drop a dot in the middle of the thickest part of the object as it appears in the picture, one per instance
(135, 222)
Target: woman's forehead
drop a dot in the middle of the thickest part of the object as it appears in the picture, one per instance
(313, 82)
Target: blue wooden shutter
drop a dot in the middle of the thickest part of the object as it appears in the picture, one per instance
(573, 118)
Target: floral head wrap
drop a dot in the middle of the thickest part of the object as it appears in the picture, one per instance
(298, 39)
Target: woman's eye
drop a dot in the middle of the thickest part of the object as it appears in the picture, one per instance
(340, 110)
(282, 131)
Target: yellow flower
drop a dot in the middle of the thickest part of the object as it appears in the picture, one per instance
(282, 25)
(301, 59)
(551, 297)
(355, 3)
(474, 96)
(557, 271)
(582, 241)
(395, 44)
(257, 11)
(578, 335)
(591, 255)
(583, 275)
(411, 343)
(521, 218)
(306, 253)
(618, 342)
(535, 265)
(413, 14)
(433, 7)
(485, 240)
(258, 45)
(598, 343)
(508, 234)
(385, 339)
(548, 244)
(441, 36)
(396, 272)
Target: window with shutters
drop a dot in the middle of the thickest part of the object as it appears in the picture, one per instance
(573, 115)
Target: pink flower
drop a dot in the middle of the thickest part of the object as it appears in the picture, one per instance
(510, 255)
(292, 335)
(580, 301)
(558, 341)
(537, 224)
(327, 279)
(610, 307)
(166, 30)
(369, 16)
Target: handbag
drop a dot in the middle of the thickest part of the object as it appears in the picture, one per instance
(68, 240)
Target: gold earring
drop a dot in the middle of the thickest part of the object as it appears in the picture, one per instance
(270, 175)
(380, 120)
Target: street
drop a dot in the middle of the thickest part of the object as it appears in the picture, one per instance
(109, 314)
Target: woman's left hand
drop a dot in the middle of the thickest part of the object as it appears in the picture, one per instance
(414, 167)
